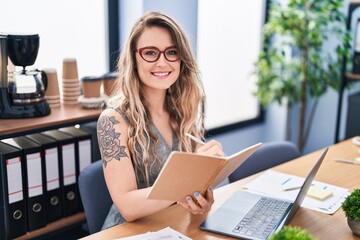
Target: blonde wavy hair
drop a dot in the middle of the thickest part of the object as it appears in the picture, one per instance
(185, 99)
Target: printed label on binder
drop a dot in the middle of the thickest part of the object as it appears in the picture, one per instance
(34, 174)
(52, 168)
(85, 156)
(68, 157)
(13, 167)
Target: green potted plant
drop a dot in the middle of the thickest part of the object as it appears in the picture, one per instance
(295, 63)
(351, 208)
(291, 233)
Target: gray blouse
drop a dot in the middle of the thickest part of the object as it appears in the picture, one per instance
(162, 150)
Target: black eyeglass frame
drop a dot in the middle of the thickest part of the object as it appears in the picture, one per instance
(140, 50)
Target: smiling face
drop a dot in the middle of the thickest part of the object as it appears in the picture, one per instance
(161, 74)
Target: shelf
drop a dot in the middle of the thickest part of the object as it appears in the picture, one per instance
(346, 77)
(65, 115)
(62, 223)
(352, 77)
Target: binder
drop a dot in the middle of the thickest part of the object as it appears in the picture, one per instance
(82, 151)
(12, 198)
(34, 178)
(91, 129)
(68, 181)
(83, 146)
(53, 195)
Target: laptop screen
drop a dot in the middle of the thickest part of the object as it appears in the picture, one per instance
(305, 188)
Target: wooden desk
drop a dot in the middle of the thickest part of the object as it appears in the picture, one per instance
(321, 225)
(59, 224)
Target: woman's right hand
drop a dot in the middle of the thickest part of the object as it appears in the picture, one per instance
(211, 148)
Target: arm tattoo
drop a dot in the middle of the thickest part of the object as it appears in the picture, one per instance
(109, 140)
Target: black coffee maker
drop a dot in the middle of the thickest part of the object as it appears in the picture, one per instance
(22, 92)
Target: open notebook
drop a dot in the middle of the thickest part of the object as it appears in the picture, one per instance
(186, 173)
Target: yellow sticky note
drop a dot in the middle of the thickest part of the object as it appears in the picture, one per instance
(319, 193)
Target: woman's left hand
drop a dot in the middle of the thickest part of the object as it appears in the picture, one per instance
(198, 204)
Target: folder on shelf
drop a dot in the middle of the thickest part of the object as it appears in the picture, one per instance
(82, 151)
(68, 181)
(12, 199)
(91, 129)
(34, 176)
(82, 146)
(53, 195)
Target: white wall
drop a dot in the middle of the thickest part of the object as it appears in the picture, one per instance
(67, 29)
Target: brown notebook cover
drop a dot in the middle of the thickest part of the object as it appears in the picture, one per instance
(186, 173)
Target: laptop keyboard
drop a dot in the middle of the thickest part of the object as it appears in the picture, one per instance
(261, 220)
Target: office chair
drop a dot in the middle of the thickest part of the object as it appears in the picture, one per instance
(94, 195)
(266, 156)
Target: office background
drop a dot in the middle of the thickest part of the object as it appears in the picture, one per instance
(82, 26)
(89, 44)
(273, 127)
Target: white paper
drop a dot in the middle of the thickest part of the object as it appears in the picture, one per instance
(271, 183)
(14, 180)
(163, 234)
(52, 168)
(34, 174)
(84, 153)
(68, 157)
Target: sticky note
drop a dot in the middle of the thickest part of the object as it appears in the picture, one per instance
(319, 193)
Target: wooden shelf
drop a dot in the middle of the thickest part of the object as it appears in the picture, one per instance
(59, 117)
(352, 77)
(62, 223)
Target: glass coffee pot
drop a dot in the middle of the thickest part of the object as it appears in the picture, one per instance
(25, 86)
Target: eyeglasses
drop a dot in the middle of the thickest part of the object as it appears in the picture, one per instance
(152, 54)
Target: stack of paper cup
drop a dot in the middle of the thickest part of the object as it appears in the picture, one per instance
(70, 82)
(52, 92)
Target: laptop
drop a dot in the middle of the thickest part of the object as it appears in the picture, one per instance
(251, 216)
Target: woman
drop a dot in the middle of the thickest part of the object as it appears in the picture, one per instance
(160, 100)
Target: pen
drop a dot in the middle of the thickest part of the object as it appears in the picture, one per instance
(293, 187)
(346, 161)
(286, 180)
(195, 138)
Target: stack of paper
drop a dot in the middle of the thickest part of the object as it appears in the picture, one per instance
(272, 183)
(163, 234)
